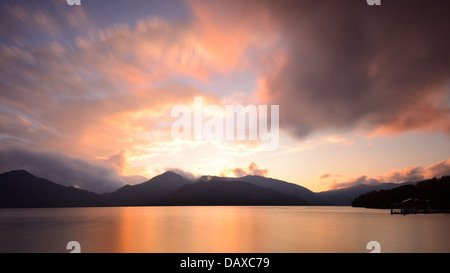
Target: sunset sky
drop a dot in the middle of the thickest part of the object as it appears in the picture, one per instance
(86, 92)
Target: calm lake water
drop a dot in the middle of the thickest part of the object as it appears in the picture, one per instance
(221, 229)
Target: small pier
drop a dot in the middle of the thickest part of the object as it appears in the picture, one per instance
(413, 206)
(404, 210)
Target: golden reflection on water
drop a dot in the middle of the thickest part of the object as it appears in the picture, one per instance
(221, 229)
(187, 229)
(270, 229)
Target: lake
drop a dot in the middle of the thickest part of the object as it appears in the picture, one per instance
(221, 229)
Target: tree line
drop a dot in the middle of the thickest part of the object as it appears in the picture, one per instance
(435, 191)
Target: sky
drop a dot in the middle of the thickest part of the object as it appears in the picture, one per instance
(87, 92)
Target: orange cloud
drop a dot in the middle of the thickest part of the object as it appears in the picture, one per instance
(338, 139)
(252, 169)
(430, 114)
(231, 48)
(354, 182)
(112, 89)
(408, 174)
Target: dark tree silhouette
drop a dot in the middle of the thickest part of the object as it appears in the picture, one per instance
(435, 191)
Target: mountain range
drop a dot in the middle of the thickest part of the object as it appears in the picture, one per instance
(21, 189)
(273, 184)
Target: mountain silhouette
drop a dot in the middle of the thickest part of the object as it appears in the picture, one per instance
(278, 185)
(224, 193)
(344, 197)
(146, 193)
(20, 189)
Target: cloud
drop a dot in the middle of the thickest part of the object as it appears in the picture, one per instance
(439, 169)
(183, 173)
(338, 139)
(93, 176)
(252, 169)
(21, 21)
(408, 174)
(237, 46)
(67, 85)
(328, 175)
(118, 161)
(325, 176)
(347, 67)
(134, 179)
(362, 180)
(416, 173)
(105, 90)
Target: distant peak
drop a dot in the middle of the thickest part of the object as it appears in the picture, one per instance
(19, 172)
(172, 173)
(169, 175)
(205, 178)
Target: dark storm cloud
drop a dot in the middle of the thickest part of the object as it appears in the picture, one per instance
(350, 65)
(61, 169)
